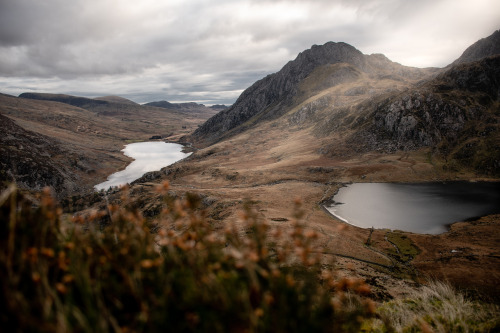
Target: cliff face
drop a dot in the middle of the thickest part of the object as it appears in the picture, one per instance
(441, 108)
(457, 113)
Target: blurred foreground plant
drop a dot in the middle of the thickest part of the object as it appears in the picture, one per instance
(437, 307)
(184, 276)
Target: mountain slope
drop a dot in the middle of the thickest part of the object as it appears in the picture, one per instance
(483, 48)
(353, 104)
(81, 102)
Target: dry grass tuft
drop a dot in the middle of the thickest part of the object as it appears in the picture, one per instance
(437, 307)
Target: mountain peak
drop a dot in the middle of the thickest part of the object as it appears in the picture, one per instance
(328, 53)
(271, 95)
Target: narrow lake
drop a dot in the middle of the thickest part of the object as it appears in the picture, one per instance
(148, 156)
(426, 208)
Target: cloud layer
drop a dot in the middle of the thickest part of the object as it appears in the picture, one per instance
(210, 50)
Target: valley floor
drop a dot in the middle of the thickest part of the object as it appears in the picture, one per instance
(249, 169)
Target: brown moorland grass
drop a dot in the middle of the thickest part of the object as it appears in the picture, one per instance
(179, 273)
(62, 275)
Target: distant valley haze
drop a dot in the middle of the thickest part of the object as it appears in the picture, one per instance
(209, 51)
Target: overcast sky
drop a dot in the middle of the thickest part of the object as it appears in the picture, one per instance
(209, 51)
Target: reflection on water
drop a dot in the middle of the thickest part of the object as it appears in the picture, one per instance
(148, 156)
(422, 208)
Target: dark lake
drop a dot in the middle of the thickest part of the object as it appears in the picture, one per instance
(426, 208)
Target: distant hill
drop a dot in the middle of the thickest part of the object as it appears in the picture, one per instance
(81, 102)
(219, 107)
(163, 104)
(116, 99)
(190, 107)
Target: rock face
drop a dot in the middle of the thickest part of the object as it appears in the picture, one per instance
(442, 108)
(456, 113)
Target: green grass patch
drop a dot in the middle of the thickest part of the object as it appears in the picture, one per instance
(406, 250)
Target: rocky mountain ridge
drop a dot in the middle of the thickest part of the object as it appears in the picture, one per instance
(456, 113)
(273, 95)
(358, 103)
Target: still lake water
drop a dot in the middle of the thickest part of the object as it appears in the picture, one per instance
(148, 156)
(426, 208)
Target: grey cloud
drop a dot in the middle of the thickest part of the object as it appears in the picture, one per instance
(208, 50)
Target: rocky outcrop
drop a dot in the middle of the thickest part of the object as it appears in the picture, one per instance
(482, 76)
(456, 114)
(442, 108)
(420, 120)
